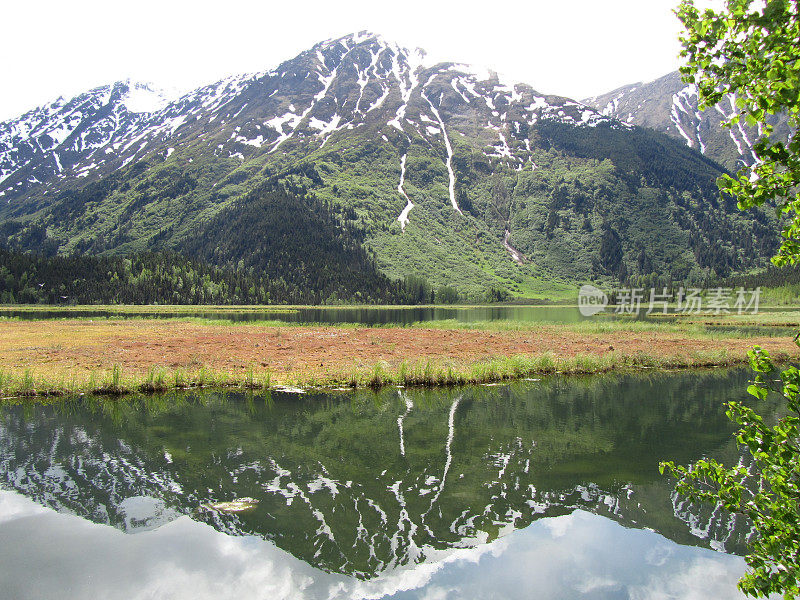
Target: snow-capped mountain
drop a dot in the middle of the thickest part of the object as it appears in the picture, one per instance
(434, 163)
(65, 134)
(669, 105)
(356, 81)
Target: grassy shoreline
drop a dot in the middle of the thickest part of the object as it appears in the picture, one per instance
(56, 357)
(429, 373)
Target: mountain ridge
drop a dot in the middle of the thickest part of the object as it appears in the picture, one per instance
(670, 105)
(442, 167)
(223, 91)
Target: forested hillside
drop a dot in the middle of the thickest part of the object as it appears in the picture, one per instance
(152, 278)
(289, 236)
(139, 279)
(357, 164)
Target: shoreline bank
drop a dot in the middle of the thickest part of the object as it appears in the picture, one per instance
(61, 357)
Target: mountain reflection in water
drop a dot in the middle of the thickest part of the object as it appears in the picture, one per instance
(414, 492)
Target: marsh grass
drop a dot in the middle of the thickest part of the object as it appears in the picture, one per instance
(421, 373)
(28, 386)
(446, 373)
(699, 329)
(179, 377)
(250, 380)
(114, 381)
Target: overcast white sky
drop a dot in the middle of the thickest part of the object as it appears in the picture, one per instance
(574, 48)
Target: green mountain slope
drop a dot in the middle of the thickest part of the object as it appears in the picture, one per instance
(435, 171)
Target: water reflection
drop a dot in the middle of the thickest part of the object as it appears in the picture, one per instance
(368, 489)
(48, 555)
(369, 315)
(376, 315)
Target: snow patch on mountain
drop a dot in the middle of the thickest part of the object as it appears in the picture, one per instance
(403, 218)
(143, 98)
(450, 172)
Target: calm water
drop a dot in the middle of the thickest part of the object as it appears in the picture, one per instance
(540, 489)
(378, 315)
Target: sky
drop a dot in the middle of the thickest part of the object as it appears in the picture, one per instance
(574, 48)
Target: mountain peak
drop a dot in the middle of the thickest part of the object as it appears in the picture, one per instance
(142, 97)
(366, 37)
(670, 105)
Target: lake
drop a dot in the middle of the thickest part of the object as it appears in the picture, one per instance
(537, 489)
(364, 315)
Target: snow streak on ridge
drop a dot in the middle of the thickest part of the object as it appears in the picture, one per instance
(403, 218)
(450, 172)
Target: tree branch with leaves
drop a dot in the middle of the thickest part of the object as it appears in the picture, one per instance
(749, 51)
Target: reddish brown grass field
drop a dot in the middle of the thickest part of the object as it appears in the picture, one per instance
(51, 347)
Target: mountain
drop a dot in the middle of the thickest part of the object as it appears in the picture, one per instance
(367, 483)
(671, 106)
(438, 171)
(55, 137)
